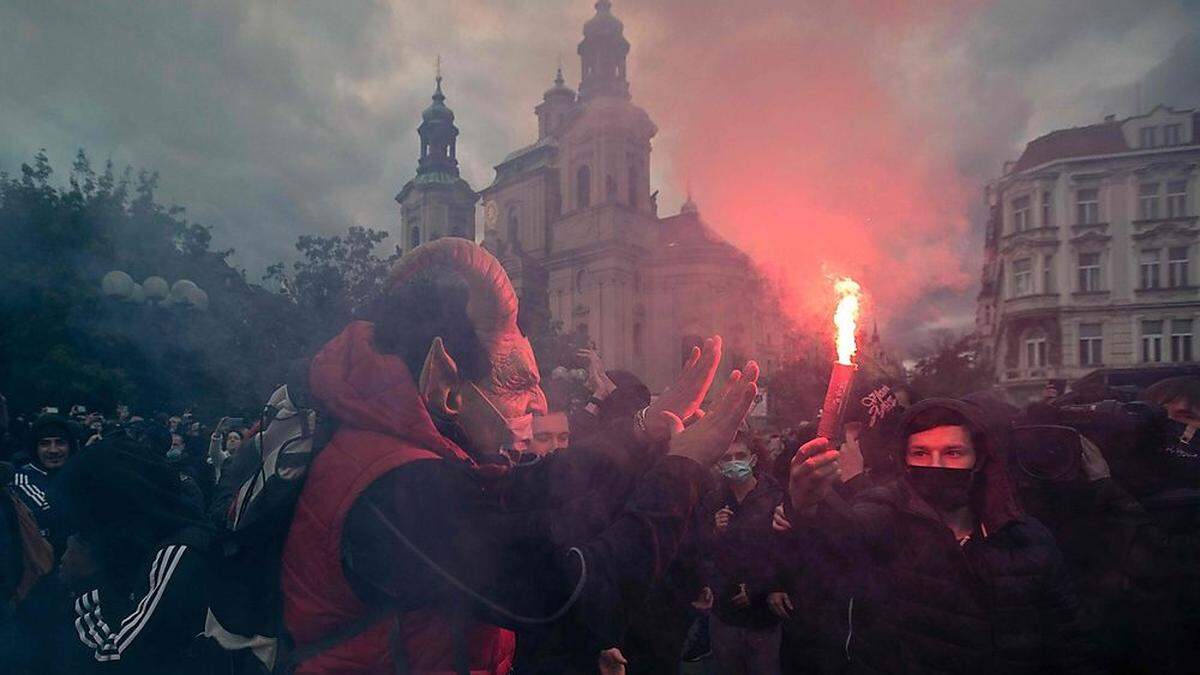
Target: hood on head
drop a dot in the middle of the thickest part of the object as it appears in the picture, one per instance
(51, 425)
(364, 389)
(122, 496)
(993, 497)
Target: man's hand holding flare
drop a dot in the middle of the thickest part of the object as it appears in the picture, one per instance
(813, 473)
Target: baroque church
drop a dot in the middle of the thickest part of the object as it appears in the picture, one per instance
(573, 218)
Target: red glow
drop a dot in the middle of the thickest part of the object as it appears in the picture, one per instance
(787, 122)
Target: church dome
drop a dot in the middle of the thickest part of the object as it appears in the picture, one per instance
(438, 110)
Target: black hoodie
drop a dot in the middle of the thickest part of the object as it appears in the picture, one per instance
(142, 613)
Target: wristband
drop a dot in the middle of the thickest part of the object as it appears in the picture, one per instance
(595, 401)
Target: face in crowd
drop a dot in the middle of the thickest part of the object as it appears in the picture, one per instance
(1181, 410)
(948, 447)
(940, 463)
(737, 464)
(233, 441)
(551, 433)
(52, 452)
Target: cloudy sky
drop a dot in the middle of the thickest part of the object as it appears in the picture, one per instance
(825, 138)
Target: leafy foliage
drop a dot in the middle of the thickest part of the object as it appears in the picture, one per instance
(62, 342)
(952, 367)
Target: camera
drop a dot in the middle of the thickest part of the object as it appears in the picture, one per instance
(1047, 445)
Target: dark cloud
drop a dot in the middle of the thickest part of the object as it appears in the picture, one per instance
(272, 119)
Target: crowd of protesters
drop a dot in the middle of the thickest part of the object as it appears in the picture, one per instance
(459, 515)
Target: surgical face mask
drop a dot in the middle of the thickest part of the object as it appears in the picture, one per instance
(487, 428)
(737, 470)
(943, 489)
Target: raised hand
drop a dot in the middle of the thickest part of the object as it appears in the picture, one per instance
(814, 470)
(612, 662)
(779, 520)
(722, 518)
(780, 604)
(683, 398)
(706, 440)
(598, 381)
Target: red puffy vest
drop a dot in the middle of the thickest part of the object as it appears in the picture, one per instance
(384, 426)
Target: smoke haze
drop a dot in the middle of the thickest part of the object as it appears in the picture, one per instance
(824, 138)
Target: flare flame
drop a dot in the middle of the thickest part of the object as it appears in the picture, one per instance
(845, 318)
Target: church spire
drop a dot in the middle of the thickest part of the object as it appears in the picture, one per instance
(438, 133)
(602, 55)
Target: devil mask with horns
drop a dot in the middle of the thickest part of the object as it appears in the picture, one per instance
(484, 378)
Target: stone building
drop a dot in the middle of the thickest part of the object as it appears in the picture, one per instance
(575, 221)
(1089, 246)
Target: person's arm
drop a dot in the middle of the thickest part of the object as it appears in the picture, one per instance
(121, 635)
(864, 525)
(1070, 639)
(508, 566)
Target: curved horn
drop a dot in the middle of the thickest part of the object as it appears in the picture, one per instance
(492, 303)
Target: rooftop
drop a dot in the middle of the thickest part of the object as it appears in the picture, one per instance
(1106, 138)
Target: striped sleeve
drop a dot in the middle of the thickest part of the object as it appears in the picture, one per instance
(109, 644)
(33, 493)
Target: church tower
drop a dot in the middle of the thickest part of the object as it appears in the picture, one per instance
(602, 55)
(557, 103)
(437, 202)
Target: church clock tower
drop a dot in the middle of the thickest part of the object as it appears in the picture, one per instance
(437, 202)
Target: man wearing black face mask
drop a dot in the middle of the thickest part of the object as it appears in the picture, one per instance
(961, 581)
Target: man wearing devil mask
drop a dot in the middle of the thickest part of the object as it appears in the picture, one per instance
(957, 578)
(402, 556)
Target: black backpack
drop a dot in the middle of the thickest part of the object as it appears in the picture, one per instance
(246, 611)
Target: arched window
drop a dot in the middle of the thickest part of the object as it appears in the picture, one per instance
(633, 186)
(583, 187)
(414, 237)
(580, 279)
(514, 228)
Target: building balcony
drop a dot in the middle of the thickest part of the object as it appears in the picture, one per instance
(1044, 232)
(1167, 293)
(1141, 223)
(1028, 303)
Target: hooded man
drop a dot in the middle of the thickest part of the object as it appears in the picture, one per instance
(136, 559)
(960, 580)
(52, 442)
(400, 558)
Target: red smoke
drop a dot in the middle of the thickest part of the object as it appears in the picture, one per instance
(799, 145)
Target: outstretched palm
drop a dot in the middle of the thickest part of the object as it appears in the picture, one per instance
(682, 399)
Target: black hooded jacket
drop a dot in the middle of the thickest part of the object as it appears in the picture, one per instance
(142, 613)
(998, 602)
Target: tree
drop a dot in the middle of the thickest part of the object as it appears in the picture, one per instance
(61, 342)
(952, 367)
(336, 280)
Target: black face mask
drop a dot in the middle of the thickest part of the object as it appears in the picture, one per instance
(944, 489)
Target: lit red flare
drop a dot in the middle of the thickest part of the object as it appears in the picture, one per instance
(841, 380)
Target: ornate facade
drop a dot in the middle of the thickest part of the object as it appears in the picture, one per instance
(1089, 249)
(574, 220)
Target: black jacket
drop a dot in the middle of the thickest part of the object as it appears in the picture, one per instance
(144, 610)
(741, 554)
(1000, 602)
